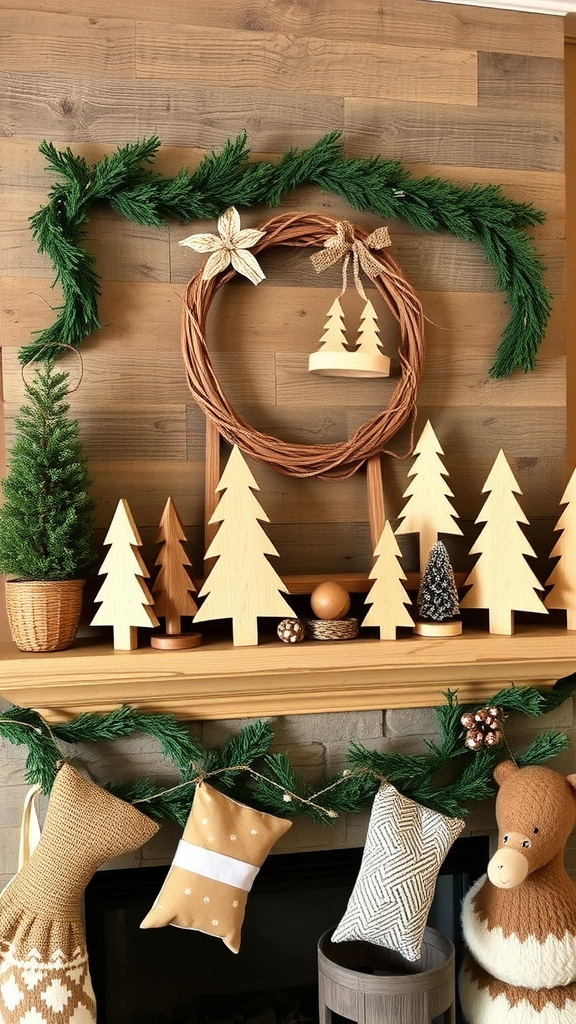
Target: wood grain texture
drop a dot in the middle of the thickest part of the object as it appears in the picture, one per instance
(259, 60)
(462, 93)
(511, 136)
(396, 21)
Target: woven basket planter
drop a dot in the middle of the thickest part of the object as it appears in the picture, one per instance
(44, 616)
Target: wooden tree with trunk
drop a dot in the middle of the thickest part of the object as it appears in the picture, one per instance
(173, 587)
(428, 510)
(563, 575)
(125, 601)
(242, 584)
(502, 581)
(387, 595)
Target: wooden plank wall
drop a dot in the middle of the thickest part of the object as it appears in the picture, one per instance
(470, 94)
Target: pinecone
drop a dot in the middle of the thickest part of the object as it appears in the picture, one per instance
(291, 631)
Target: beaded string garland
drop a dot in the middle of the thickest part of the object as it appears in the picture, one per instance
(327, 461)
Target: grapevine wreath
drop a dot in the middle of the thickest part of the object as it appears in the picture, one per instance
(335, 461)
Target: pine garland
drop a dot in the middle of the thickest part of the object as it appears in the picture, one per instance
(478, 213)
(244, 768)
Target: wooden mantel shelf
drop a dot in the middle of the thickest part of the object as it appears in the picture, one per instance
(220, 681)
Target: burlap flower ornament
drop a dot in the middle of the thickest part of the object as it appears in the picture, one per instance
(229, 246)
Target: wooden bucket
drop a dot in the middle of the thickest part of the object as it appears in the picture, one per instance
(373, 985)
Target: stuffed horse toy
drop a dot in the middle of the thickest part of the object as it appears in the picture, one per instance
(519, 921)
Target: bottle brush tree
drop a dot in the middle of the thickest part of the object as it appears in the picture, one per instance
(47, 519)
(438, 596)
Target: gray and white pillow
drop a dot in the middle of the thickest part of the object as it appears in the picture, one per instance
(405, 847)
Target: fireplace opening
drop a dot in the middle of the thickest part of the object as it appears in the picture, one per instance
(174, 976)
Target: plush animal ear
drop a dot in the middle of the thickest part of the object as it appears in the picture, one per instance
(571, 780)
(504, 770)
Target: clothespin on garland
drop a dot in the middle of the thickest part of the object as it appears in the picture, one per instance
(244, 768)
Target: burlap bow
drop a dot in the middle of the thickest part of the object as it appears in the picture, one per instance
(344, 244)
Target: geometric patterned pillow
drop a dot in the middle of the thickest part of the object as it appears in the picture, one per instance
(405, 847)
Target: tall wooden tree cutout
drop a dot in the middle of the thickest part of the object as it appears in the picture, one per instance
(428, 511)
(387, 595)
(242, 585)
(563, 575)
(502, 580)
(124, 597)
(173, 587)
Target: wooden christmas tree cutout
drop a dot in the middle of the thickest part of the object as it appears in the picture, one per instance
(428, 511)
(124, 596)
(563, 575)
(334, 359)
(242, 584)
(502, 580)
(173, 587)
(387, 595)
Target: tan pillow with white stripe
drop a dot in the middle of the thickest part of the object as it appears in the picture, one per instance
(223, 847)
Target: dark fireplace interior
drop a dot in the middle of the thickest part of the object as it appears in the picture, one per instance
(173, 976)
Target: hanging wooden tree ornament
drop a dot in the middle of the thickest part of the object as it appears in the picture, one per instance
(333, 358)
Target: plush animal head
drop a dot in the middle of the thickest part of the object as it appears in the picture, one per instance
(535, 811)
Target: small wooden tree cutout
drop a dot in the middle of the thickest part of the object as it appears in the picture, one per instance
(124, 596)
(387, 595)
(334, 337)
(173, 587)
(368, 332)
(502, 580)
(333, 358)
(563, 575)
(428, 511)
(242, 585)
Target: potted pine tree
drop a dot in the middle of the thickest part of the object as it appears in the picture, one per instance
(47, 519)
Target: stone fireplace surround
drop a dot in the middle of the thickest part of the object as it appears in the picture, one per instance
(317, 746)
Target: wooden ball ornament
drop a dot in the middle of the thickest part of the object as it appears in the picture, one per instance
(330, 600)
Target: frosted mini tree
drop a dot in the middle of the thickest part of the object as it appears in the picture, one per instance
(173, 587)
(563, 575)
(502, 580)
(242, 585)
(387, 595)
(438, 605)
(428, 511)
(124, 596)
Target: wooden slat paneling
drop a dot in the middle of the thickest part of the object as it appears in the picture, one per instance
(258, 60)
(512, 135)
(462, 93)
(395, 22)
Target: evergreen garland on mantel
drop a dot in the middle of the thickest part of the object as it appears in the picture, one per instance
(446, 778)
(478, 213)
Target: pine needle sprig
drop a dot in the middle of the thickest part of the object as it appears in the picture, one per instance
(562, 689)
(543, 748)
(171, 804)
(23, 726)
(173, 738)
